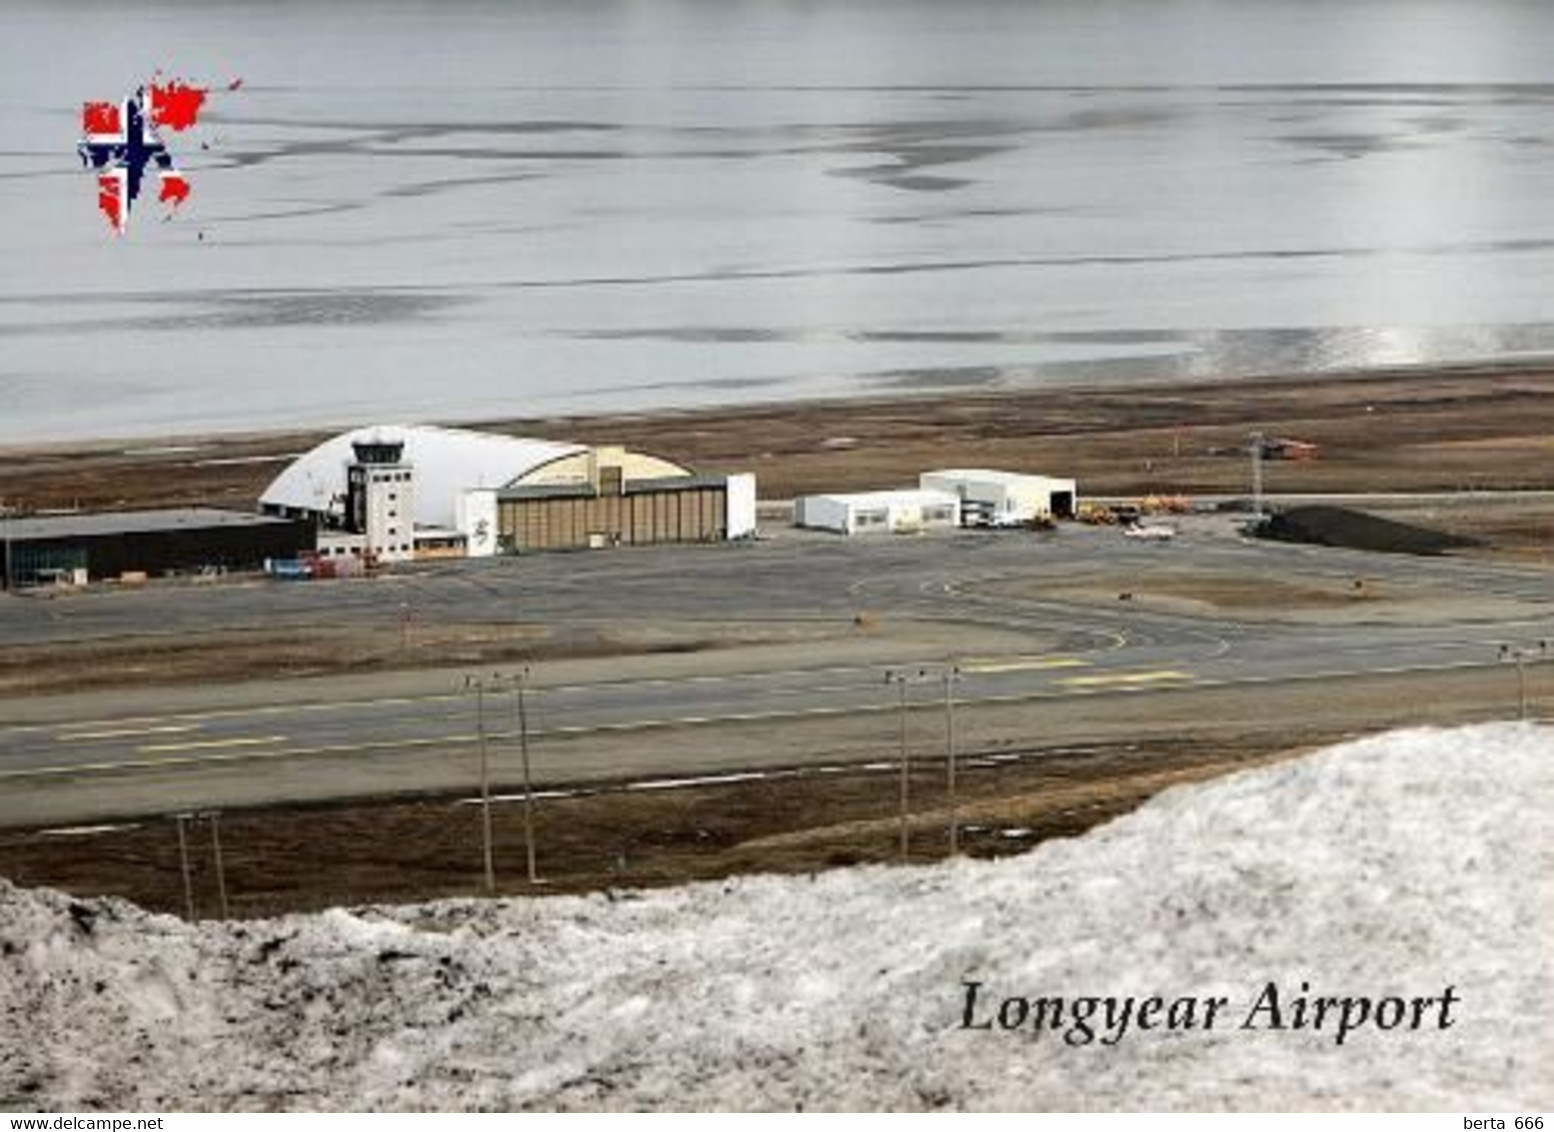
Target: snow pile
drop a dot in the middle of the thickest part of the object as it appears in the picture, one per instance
(1396, 866)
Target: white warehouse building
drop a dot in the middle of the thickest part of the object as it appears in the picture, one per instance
(990, 498)
(878, 511)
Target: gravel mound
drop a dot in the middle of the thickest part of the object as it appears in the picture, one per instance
(1339, 526)
(1413, 867)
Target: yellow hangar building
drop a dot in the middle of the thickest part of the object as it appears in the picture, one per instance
(398, 492)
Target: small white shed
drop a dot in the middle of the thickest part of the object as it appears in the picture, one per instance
(871, 511)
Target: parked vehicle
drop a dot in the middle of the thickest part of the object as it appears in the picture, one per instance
(288, 569)
(1150, 532)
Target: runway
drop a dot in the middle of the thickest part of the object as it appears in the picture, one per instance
(642, 717)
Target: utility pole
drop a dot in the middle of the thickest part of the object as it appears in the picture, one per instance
(479, 684)
(1257, 475)
(183, 862)
(1521, 656)
(221, 874)
(951, 676)
(5, 570)
(899, 679)
(517, 684)
(520, 680)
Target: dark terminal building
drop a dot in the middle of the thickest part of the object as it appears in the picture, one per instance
(77, 548)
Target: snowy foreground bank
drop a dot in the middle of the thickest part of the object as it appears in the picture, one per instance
(1412, 871)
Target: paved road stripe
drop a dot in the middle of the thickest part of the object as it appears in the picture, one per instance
(209, 744)
(234, 712)
(123, 733)
(1023, 664)
(1125, 678)
(232, 756)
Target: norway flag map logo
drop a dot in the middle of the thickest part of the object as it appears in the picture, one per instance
(123, 143)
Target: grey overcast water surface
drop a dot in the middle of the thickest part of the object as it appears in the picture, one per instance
(459, 210)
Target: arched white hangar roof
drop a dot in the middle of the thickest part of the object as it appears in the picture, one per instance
(447, 461)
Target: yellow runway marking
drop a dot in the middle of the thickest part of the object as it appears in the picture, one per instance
(237, 712)
(231, 756)
(1024, 664)
(207, 744)
(123, 732)
(1125, 678)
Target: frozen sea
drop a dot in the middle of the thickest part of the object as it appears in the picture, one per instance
(461, 210)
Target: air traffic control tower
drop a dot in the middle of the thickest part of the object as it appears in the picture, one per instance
(380, 499)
